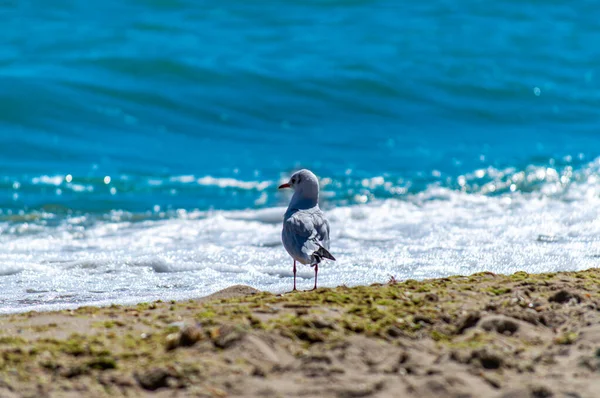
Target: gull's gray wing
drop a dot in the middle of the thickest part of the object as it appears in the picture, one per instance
(306, 233)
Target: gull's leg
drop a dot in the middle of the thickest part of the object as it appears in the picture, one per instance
(294, 276)
(316, 271)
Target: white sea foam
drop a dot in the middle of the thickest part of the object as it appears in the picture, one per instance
(433, 233)
(183, 179)
(48, 180)
(222, 182)
(233, 183)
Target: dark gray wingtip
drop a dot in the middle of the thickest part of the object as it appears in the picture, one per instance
(323, 253)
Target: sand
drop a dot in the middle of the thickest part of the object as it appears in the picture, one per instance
(483, 335)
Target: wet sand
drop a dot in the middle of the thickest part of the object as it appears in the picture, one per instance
(484, 335)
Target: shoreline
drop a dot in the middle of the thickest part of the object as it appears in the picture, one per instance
(58, 307)
(484, 335)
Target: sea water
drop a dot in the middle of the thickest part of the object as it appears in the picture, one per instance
(142, 142)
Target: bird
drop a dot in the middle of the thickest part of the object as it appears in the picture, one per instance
(305, 234)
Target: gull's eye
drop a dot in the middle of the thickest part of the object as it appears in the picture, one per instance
(293, 180)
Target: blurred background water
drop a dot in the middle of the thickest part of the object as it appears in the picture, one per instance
(141, 141)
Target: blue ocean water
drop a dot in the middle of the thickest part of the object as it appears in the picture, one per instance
(144, 140)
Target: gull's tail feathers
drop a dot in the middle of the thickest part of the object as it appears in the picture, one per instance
(320, 254)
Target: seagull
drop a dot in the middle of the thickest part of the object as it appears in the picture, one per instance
(305, 234)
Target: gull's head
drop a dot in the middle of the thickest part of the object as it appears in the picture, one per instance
(304, 183)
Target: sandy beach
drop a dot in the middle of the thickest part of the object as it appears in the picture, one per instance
(483, 335)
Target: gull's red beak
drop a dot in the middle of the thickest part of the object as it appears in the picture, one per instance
(286, 185)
